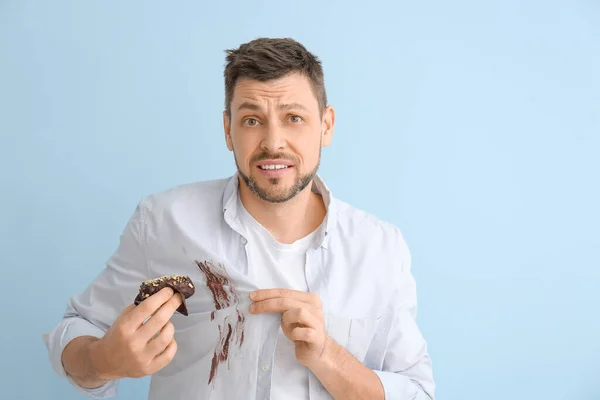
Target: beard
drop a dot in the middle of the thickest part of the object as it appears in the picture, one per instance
(271, 193)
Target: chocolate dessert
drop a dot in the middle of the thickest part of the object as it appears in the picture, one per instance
(179, 283)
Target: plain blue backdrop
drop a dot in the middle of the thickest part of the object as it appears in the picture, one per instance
(474, 126)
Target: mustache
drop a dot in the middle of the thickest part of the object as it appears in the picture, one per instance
(277, 156)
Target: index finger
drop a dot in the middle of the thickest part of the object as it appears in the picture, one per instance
(305, 297)
(149, 306)
(160, 318)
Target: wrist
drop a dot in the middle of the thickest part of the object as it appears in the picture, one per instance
(326, 361)
(97, 363)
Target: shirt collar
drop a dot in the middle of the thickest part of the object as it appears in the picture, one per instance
(230, 211)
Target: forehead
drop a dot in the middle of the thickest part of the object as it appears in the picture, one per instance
(292, 88)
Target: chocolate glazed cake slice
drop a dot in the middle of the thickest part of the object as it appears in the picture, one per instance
(179, 283)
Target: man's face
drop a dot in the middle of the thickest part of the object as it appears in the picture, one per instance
(276, 132)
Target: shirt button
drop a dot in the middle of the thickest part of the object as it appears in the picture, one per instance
(244, 240)
(265, 367)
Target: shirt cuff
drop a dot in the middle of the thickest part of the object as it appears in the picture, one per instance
(56, 341)
(399, 387)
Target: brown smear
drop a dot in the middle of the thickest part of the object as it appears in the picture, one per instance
(218, 282)
(240, 327)
(224, 294)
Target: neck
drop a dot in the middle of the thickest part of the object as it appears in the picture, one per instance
(289, 221)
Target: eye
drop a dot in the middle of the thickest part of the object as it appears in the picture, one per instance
(295, 119)
(250, 121)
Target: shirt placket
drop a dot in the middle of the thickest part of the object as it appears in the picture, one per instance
(316, 280)
(268, 333)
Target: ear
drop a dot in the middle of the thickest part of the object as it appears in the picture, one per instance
(327, 125)
(227, 129)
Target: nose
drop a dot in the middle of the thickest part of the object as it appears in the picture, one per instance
(274, 139)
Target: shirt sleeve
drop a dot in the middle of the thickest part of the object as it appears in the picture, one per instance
(407, 369)
(93, 311)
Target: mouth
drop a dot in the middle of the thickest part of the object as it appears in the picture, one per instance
(274, 168)
(271, 167)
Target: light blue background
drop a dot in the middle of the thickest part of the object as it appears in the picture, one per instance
(472, 125)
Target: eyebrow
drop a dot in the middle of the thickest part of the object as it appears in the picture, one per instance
(292, 106)
(282, 107)
(248, 106)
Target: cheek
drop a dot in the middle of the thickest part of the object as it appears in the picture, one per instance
(309, 151)
(244, 148)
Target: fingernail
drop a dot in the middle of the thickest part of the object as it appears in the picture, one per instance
(252, 308)
(253, 295)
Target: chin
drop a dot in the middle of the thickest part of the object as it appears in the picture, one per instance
(275, 186)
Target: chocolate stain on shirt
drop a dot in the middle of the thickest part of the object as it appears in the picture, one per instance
(225, 295)
(240, 327)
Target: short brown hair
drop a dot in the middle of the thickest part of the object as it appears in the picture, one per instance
(265, 59)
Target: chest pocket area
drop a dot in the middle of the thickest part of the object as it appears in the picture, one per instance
(357, 335)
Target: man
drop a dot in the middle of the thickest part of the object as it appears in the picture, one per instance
(298, 295)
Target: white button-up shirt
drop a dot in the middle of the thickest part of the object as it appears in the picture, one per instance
(359, 265)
